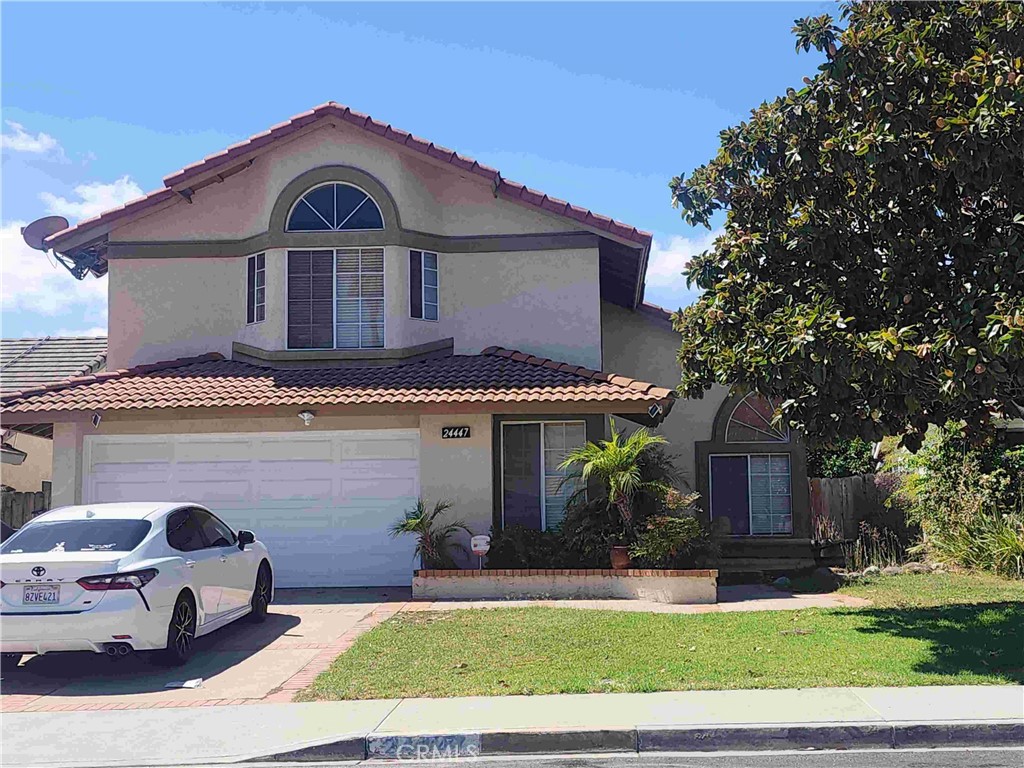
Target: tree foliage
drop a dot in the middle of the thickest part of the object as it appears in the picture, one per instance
(841, 459)
(871, 268)
(618, 465)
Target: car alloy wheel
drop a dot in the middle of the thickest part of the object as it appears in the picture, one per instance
(261, 595)
(181, 633)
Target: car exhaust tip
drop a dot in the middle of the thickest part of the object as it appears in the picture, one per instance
(117, 650)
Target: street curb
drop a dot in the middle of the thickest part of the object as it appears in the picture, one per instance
(349, 748)
(652, 739)
(750, 738)
(990, 733)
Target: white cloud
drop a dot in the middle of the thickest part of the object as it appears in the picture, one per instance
(94, 331)
(668, 260)
(32, 282)
(23, 141)
(96, 197)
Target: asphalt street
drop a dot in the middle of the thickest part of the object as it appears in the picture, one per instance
(888, 758)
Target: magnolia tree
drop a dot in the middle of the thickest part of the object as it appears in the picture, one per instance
(871, 270)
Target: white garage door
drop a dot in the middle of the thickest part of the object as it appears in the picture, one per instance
(322, 502)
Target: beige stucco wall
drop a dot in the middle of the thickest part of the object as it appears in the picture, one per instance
(431, 197)
(37, 466)
(67, 464)
(543, 302)
(458, 470)
(639, 346)
(161, 309)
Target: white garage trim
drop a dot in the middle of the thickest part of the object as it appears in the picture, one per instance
(322, 501)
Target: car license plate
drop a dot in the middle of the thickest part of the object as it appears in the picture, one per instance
(41, 594)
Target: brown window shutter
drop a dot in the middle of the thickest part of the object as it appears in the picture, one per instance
(250, 290)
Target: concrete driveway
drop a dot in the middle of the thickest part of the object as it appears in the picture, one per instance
(241, 663)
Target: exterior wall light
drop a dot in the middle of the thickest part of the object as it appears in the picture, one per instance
(307, 417)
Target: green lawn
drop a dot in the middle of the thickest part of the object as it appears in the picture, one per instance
(921, 630)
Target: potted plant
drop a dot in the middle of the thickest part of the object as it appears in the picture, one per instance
(434, 537)
(617, 464)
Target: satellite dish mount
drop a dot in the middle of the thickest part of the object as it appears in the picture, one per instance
(35, 235)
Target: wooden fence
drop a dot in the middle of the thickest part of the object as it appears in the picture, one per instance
(18, 507)
(849, 500)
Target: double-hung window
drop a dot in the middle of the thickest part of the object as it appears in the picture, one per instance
(336, 299)
(534, 487)
(423, 299)
(256, 288)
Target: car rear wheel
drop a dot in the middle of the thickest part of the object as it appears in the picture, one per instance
(181, 632)
(261, 594)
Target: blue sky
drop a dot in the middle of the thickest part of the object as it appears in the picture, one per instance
(598, 104)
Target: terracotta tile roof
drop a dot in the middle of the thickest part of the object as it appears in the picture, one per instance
(26, 363)
(505, 188)
(495, 376)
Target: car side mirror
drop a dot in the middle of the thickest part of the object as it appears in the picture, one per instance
(245, 537)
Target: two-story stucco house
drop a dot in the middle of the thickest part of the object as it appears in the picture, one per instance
(318, 325)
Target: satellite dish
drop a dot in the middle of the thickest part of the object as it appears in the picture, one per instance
(40, 229)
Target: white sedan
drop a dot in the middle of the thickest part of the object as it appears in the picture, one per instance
(118, 578)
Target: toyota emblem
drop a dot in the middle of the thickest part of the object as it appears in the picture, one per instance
(39, 571)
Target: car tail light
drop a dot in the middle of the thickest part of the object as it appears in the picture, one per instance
(133, 580)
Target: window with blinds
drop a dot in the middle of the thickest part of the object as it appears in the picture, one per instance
(336, 299)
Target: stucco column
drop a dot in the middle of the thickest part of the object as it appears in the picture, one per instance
(458, 469)
(67, 464)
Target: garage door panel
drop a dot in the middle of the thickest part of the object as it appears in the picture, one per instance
(324, 518)
(401, 490)
(297, 450)
(200, 450)
(209, 493)
(379, 449)
(373, 469)
(132, 452)
(115, 490)
(293, 489)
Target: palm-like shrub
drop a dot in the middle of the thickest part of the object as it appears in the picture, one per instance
(434, 537)
(618, 464)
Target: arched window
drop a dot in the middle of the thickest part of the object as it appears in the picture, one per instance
(335, 207)
(751, 422)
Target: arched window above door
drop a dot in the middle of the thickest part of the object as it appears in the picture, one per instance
(335, 207)
(751, 422)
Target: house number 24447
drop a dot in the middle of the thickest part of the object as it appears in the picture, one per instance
(453, 433)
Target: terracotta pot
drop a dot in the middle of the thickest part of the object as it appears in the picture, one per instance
(620, 557)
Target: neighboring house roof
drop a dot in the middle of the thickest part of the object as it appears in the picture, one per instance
(28, 363)
(263, 141)
(495, 376)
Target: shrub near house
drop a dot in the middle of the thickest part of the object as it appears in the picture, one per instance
(967, 499)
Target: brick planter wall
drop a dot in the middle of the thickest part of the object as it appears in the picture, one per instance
(677, 587)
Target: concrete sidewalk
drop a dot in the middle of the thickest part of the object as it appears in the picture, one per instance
(685, 721)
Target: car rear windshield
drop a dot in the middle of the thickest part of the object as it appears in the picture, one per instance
(96, 535)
